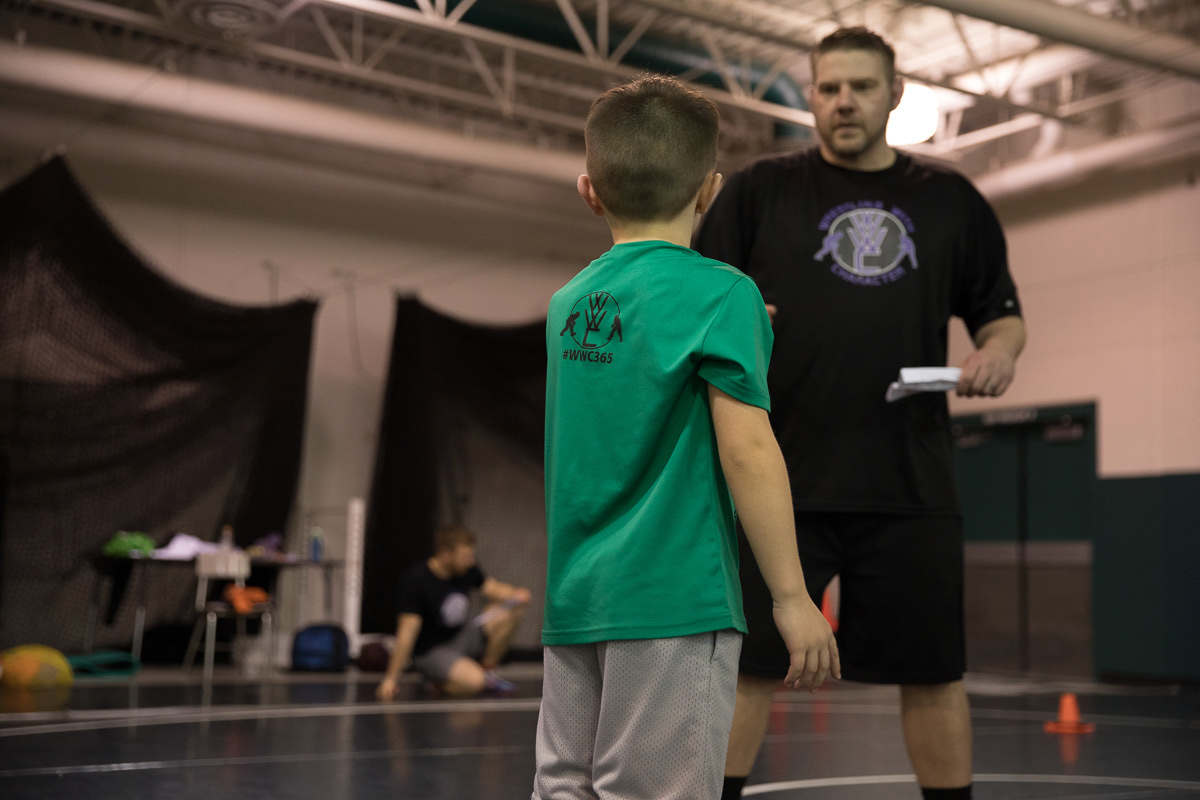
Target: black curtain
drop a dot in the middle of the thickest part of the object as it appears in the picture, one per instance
(451, 385)
(127, 402)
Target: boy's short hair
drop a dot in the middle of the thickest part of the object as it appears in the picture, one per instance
(449, 537)
(855, 38)
(650, 145)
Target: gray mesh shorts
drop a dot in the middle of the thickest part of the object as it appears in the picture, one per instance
(644, 718)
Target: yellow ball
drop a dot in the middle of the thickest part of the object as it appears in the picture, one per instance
(35, 666)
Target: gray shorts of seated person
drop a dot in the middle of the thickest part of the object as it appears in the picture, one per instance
(436, 662)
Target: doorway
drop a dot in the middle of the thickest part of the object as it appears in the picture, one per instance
(1027, 481)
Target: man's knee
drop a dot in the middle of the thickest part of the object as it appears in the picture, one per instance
(465, 679)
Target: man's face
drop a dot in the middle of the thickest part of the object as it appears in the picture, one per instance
(851, 99)
(462, 558)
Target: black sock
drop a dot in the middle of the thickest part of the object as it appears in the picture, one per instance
(732, 789)
(961, 793)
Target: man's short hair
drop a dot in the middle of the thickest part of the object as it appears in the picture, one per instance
(449, 537)
(650, 145)
(856, 38)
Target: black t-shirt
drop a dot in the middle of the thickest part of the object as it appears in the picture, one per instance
(443, 605)
(866, 268)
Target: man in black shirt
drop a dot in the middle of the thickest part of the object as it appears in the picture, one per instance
(455, 654)
(863, 254)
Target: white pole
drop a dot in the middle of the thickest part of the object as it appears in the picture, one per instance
(356, 526)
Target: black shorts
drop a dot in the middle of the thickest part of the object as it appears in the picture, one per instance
(901, 611)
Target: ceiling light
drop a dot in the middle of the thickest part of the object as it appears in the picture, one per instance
(916, 118)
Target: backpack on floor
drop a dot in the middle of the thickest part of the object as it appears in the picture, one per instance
(320, 648)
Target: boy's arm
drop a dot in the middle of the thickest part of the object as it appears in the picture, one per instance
(407, 628)
(757, 478)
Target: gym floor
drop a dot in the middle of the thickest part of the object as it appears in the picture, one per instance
(163, 736)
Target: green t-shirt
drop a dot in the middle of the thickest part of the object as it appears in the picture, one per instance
(640, 520)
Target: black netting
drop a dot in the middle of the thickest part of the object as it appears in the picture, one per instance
(127, 403)
(460, 441)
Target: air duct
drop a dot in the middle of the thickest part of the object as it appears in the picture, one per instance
(149, 90)
(1052, 21)
(1136, 150)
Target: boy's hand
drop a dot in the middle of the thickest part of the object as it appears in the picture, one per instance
(810, 643)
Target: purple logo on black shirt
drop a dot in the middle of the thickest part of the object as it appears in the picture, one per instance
(867, 243)
(454, 609)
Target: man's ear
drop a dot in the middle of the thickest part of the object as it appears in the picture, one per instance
(708, 190)
(588, 193)
(897, 91)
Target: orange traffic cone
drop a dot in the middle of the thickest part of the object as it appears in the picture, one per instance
(1068, 717)
(829, 610)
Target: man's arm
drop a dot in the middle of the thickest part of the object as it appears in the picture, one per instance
(757, 478)
(407, 628)
(495, 591)
(988, 372)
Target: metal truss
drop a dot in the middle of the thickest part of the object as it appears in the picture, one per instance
(430, 62)
(425, 62)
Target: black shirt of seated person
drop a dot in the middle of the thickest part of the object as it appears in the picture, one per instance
(444, 606)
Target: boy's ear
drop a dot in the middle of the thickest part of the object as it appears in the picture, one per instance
(588, 193)
(708, 190)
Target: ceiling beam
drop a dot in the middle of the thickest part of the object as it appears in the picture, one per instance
(1149, 48)
(381, 9)
(154, 91)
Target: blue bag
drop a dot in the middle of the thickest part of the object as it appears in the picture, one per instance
(320, 648)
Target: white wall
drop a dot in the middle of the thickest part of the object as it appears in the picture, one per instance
(1109, 277)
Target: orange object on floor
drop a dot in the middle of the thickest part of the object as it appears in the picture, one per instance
(1068, 717)
(828, 611)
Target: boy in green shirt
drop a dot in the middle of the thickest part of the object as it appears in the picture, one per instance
(656, 425)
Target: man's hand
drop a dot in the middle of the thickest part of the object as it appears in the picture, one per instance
(772, 310)
(810, 642)
(386, 691)
(988, 372)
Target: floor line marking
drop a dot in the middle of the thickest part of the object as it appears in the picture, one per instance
(240, 713)
(102, 719)
(137, 766)
(875, 780)
(998, 713)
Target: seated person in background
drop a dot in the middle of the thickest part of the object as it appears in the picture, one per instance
(455, 654)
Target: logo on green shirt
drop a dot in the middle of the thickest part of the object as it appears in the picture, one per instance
(601, 318)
